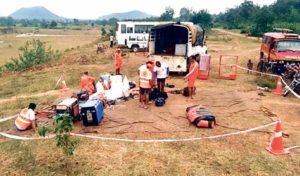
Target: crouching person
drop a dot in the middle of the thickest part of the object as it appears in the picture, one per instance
(26, 118)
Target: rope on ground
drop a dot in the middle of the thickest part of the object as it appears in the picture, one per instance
(144, 140)
(11, 136)
(173, 140)
(272, 75)
(8, 118)
(292, 148)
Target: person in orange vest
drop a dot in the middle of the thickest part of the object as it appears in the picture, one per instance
(26, 118)
(145, 77)
(88, 83)
(192, 76)
(118, 61)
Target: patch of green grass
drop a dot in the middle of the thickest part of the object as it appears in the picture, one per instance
(266, 82)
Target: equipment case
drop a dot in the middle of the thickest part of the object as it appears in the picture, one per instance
(91, 112)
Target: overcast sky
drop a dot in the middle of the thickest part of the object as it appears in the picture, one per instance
(92, 9)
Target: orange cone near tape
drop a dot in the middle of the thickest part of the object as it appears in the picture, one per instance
(63, 85)
(276, 145)
(278, 90)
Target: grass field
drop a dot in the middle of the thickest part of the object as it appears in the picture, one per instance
(235, 103)
(65, 39)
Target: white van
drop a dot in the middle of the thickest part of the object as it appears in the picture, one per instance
(173, 43)
(134, 34)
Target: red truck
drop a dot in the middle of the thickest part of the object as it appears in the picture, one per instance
(279, 49)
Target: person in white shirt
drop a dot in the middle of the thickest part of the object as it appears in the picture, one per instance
(26, 118)
(161, 71)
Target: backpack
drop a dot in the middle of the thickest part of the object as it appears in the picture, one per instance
(186, 92)
(82, 95)
(200, 117)
(159, 101)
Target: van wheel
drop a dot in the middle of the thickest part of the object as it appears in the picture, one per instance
(135, 48)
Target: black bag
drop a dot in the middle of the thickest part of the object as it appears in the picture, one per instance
(163, 95)
(131, 85)
(154, 94)
(159, 101)
(82, 95)
(186, 92)
(211, 121)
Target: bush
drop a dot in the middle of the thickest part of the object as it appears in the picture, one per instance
(34, 53)
(264, 82)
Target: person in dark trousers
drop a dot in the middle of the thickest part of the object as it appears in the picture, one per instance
(111, 39)
(161, 72)
(249, 66)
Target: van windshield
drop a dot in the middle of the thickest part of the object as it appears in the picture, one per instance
(288, 45)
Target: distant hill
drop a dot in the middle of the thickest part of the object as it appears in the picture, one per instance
(126, 15)
(38, 12)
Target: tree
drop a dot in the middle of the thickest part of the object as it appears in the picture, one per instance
(185, 14)
(263, 22)
(167, 15)
(53, 24)
(203, 18)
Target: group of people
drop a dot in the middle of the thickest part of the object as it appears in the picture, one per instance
(152, 74)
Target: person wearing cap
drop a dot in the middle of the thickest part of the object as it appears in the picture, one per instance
(192, 76)
(26, 119)
(118, 61)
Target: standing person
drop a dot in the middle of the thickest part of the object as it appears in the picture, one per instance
(161, 70)
(261, 63)
(26, 119)
(111, 39)
(249, 66)
(192, 76)
(151, 68)
(88, 83)
(118, 61)
(145, 77)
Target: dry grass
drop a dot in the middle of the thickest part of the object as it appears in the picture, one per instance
(239, 155)
(71, 39)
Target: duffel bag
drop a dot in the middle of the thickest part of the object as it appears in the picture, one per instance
(206, 121)
(200, 117)
(82, 95)
(159, 102)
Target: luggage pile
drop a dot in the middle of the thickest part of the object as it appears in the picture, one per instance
(158, 97)
(200, 117)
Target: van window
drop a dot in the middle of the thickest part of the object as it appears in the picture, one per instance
(130, 30)
(139, 29)
(123, 28)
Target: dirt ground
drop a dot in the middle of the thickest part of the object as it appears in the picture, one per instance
(235, 103)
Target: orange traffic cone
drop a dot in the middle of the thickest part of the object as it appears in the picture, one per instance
(278, 90)
(63, 85)
(276, 146)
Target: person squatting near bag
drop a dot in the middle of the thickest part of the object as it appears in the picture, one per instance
(145, 77)
(191, 77)
(87, 83)
(26, 119)
(118, 61)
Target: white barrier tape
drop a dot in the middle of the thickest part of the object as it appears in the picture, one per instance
(286, 85)
(294, 147)
(174, 140)
(268, 74)
(7, 118)
(24, 138)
